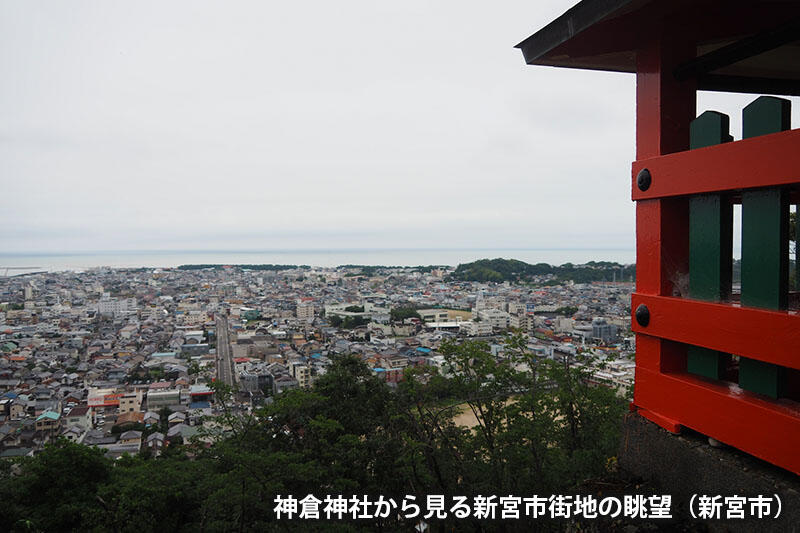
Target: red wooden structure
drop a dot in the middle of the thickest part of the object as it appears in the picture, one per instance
(708, 357)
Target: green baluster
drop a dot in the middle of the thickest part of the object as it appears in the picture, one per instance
(710, 243)
(765, 245)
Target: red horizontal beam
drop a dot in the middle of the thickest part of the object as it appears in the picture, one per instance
(769, 430)
(771, 336)
(764, 161)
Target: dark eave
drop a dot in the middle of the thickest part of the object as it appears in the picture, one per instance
(538, 48)
(741, 45)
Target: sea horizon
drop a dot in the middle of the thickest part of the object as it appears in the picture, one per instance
(12, 263)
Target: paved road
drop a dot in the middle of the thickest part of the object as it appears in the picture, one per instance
(224, 358)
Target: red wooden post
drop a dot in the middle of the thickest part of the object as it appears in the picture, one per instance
(676, 50)
(664, 109)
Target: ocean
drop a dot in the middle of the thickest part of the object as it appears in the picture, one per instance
(11, 263)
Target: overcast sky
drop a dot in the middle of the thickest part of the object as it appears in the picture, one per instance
(302, 125)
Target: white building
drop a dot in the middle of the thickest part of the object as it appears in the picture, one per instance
(563, 324)
(433, 315)
(496, 318)
(305, 311)
(302, 373)
(524, 322)
(475, 329)
(116, 306)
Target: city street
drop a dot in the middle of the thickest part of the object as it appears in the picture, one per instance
(224, 358)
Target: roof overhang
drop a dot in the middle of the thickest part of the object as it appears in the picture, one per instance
(740, 45)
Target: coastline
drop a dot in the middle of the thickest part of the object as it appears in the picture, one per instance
(17, 263)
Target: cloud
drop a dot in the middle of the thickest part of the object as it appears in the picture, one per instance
(152, 125)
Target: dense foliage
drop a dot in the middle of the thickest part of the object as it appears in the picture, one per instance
(499, 270)
(535, 427)
(567, 310)
(348, 322)
(398, 314)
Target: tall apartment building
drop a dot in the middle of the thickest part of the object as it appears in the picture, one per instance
(305, 312)
(523, 321)
(601, 329)
(302, 373)
(494, 317)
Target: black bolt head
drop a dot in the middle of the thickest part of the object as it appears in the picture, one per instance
(643, 315)
(643, 179)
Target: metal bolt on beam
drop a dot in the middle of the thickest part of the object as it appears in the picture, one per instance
(643, 179)
(643, 315)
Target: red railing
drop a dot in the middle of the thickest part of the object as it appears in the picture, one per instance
(752, 345)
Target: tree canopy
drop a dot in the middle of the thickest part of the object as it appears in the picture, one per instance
(499, 270)
(509, 425)
(398, 314)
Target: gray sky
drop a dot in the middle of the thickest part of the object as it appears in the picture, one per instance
(352, 124)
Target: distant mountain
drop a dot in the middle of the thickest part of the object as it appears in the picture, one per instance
(499, 270)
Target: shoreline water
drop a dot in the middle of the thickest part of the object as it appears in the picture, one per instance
(16, 263)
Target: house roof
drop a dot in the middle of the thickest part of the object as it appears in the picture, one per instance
(177, 429)
(117, 450)
(129, 418)
(740, 45)
(15, 452)
(51, 415)
(79, 410)
(155, 436)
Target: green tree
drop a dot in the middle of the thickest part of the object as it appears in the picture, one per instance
(540, 424)
(56, 490)
(538, 427)
(352, 322)
(398, 314)
(568, 310)
(163, 494)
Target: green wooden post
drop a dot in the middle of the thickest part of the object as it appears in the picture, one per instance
(765, 115)
(765, 244)
(710, 243)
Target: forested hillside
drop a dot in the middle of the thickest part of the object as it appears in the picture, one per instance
(499, 270)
